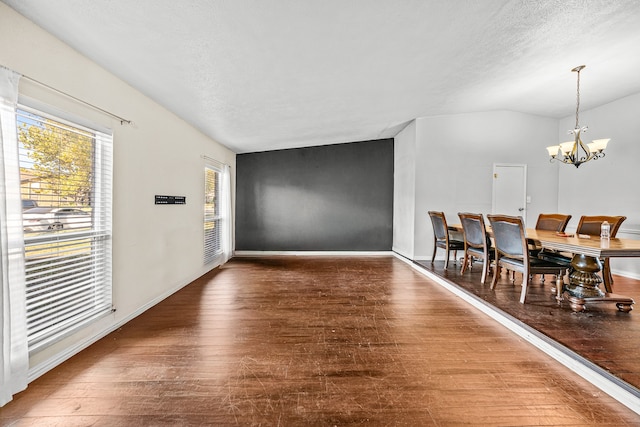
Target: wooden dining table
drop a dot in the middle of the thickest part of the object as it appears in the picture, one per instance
(584, 280)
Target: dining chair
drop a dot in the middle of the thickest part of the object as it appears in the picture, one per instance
(442, 238)
(512, 253)
(477, 244)
(550, 222)
(590, 225)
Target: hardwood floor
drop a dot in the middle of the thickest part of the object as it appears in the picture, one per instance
(602, 334)
(313, 341)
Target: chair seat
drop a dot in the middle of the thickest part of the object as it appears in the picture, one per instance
(537, 266)
(540, 264)
(556, 257)
(454, 245)
(510, 262)
(480, 253)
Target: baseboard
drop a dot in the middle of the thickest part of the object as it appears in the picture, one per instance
(629, 274)
(241, 254)
(613, 386)
(47, 365)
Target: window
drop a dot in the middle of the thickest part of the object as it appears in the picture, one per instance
(65, 180)
(212, 215)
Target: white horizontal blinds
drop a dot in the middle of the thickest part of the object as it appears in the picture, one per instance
(212, 215)
(66, 171)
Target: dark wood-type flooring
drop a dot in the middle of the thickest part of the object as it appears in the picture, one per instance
(285, 341)
(601, 334)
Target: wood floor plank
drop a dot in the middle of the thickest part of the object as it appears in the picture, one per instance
(313, 341)
(601, 334)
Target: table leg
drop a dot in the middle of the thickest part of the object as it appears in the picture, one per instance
(584, 279)
(583, 286)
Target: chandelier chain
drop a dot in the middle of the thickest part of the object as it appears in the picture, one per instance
(578, 99)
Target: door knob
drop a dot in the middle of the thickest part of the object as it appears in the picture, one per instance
(520, 209)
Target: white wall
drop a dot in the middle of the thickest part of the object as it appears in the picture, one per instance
(607, 186)
(454, 157)
(404, 180)
(454, 160)
(156, 249)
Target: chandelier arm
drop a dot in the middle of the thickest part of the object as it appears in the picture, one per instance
(587, 154)
(568, 161)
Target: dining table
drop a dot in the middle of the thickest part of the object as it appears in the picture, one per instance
(583, 287)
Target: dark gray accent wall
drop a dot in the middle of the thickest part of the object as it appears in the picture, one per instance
(328, 198)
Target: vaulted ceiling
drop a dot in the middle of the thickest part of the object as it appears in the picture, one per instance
(272, 74)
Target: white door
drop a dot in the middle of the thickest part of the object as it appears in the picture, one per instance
(510, 190)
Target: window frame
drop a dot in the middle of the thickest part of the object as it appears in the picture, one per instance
(96, 285)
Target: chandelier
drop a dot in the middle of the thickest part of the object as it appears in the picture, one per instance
(576, 152)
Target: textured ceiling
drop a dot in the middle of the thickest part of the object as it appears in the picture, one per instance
(272, 74)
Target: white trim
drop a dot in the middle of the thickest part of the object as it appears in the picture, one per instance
(585, 369)
(628, 231)
(629, 274)
(241, 254)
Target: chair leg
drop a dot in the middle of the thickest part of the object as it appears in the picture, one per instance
(496, 274)
(446, 260)
(485, 270)
(433, 257)
(559, 286)
(607, 278)
(465, 260)
(525, 284)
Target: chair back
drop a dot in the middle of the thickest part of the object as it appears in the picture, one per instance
(590, 225)
(439, 223)
(552, 222)
(508, 235)
(474, 230)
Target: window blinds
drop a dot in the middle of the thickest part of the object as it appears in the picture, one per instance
(66, 176)
(212, 215)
